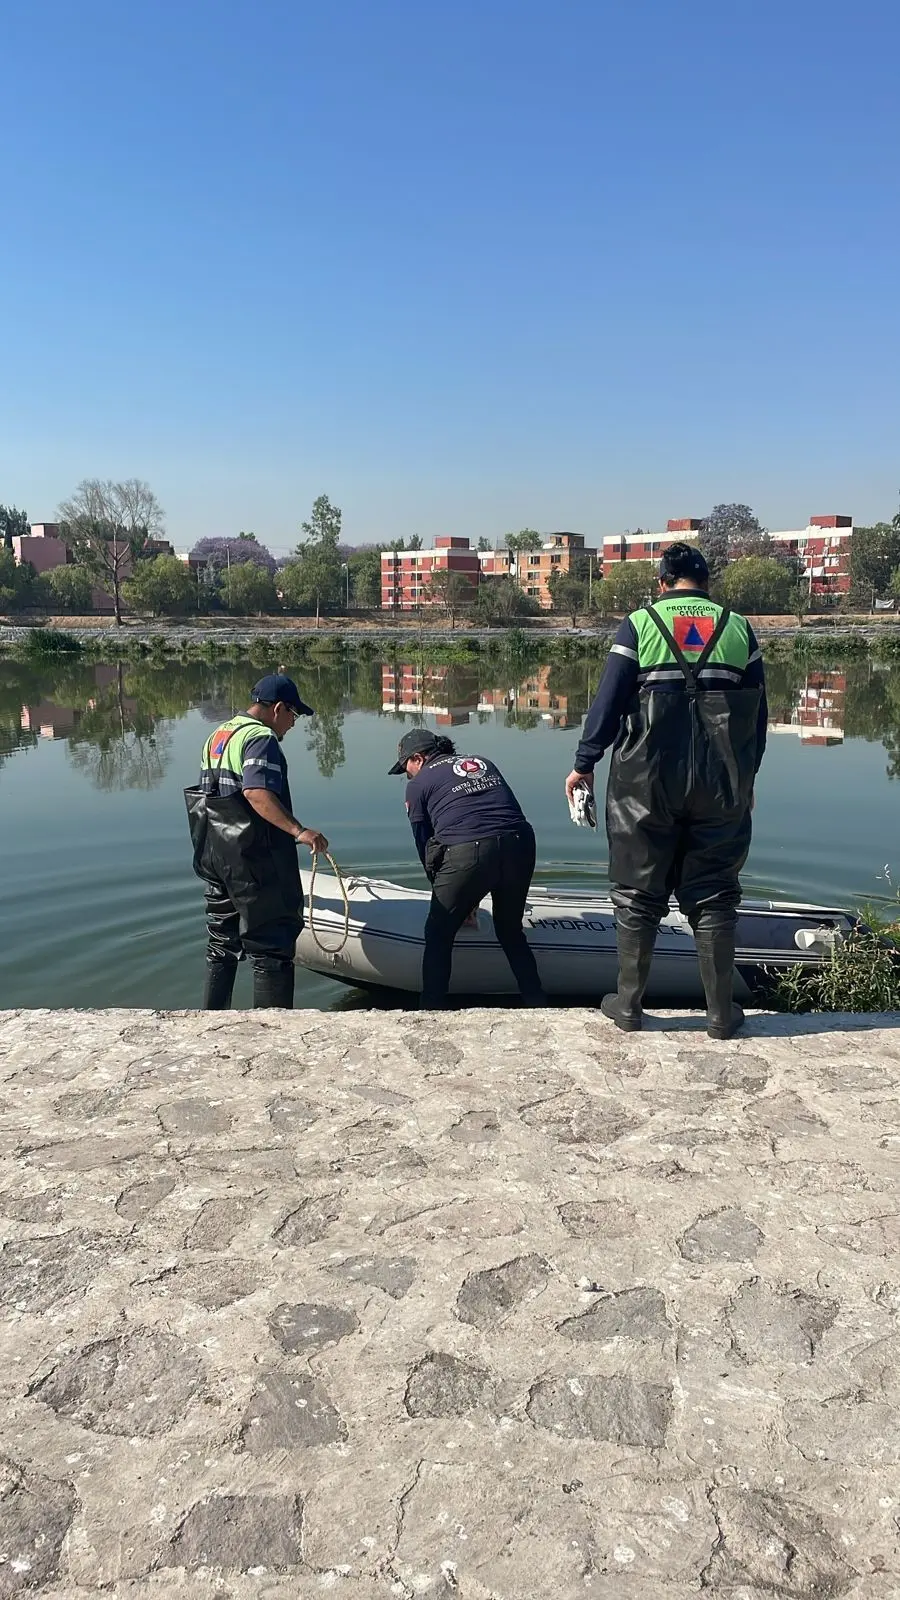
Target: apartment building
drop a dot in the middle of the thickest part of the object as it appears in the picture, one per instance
(43, 547)
(823, 549)
(561, 552)
(495, 563)
(643, 546)
(406, 574)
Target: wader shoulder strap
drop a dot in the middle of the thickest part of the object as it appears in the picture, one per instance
(691, 670)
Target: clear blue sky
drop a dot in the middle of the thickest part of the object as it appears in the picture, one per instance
(465, 266)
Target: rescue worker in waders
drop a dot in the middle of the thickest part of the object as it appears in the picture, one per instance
(682, 702)
(473, 839)
(245, 838)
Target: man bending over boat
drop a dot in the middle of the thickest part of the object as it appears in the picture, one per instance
(473, 839)
(682, 702)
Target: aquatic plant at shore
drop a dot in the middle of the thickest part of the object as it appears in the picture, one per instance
(862, 972)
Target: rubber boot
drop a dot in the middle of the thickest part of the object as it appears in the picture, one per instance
(715, 952)
(635, 946)
(273, 983)
(219, 985)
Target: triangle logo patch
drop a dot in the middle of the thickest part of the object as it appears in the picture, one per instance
(692, 634)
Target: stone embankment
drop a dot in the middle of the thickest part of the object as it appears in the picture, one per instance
(490, 1305)
(388, 632)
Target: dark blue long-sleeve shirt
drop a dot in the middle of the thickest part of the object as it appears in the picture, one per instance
(622, 678)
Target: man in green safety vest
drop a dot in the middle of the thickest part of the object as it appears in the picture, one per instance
(245, 837)
(682, 702)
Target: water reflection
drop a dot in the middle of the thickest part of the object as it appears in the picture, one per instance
(115, 719)
(816, 712)
(558, 696)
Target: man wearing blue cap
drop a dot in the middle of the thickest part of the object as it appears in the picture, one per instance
(682, 702)
(245, 836)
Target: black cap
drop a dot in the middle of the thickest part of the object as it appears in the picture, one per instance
(417, 742)
(278, 687)
(683, 561)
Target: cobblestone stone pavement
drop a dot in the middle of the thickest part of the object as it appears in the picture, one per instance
(492, 1305)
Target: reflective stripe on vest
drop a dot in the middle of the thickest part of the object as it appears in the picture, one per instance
(691, 620)
(224, 749)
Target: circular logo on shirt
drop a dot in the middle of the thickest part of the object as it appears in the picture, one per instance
(469, 767)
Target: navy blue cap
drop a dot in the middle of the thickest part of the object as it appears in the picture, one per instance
(277, 686)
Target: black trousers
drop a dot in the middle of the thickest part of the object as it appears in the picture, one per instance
(275, 938)
(501, 867)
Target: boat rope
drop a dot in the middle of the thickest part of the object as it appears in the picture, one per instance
(328, 950)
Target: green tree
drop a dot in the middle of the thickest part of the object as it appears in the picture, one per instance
(69, 588)
(20, 587)
(164, 586)
(568, 594)
(247, 590)
(484, 544)
(527, 539)
(629, 585)
(756, 584)
(365, 578)
(451, 590)
(109, 526)
(14, 524)
(799, 599)
(313, 575)
(874, 555)
(502, 601)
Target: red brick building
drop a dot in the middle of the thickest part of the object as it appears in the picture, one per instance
(644, 546)
(406, 574)
(823, 550)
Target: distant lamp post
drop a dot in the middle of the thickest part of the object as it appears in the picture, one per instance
(345, 567)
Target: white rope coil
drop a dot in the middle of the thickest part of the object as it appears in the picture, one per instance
(328, 950)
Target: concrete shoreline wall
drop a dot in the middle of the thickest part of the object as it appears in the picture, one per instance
(487, 1305)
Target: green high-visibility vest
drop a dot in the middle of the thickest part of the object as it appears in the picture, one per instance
(224, 749)
(691, 619)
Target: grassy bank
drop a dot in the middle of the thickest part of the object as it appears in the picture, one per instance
(439, 648)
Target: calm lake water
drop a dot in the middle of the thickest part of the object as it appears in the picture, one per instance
(98, 902)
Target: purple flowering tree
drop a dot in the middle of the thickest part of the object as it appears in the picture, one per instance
(222, 551)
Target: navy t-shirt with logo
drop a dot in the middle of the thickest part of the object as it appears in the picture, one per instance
(459, 798)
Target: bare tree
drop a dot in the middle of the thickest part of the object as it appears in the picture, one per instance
(454, 591)
(109, 527)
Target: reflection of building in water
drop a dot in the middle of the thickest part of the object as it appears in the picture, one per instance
(817, 713)
(448, 694)
(50, 720)
(53, 721)
(534, 697)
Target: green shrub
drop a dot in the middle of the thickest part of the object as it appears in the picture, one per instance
(862, 973)
(51, 642)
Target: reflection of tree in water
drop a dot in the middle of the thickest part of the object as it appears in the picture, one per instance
(325, 687)
(13, 736)
(117, 743)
